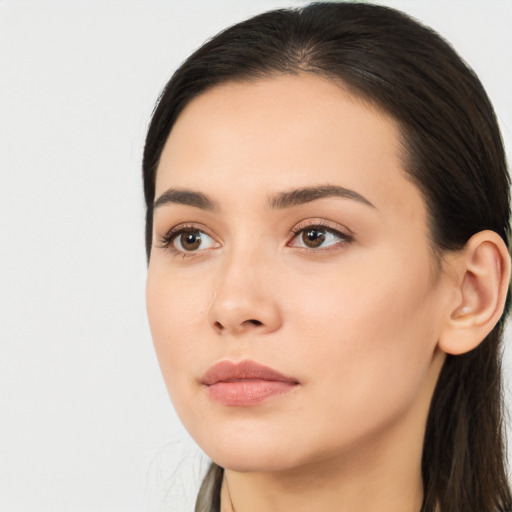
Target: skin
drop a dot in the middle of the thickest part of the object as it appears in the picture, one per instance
(356, 321)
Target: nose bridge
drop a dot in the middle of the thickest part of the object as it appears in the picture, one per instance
(243, 299)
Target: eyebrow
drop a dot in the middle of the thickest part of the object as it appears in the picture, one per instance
(306, 195)
(282, 200)
(187, 197)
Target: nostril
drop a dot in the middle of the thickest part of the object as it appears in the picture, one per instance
(219, 327)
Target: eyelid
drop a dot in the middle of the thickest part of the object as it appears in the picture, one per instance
(345, 234)
(166, 240)
(342, 232)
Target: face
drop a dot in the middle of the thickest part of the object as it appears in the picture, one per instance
(292, 295)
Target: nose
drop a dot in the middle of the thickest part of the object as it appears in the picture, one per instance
(244, 301)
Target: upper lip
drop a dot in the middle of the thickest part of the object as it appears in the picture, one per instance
(226, 371)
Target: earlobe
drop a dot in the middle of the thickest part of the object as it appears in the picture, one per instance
(482, 274)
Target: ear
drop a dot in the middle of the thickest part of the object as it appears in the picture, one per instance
(481, 279)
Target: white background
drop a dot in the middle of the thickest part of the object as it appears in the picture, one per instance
(85, 422)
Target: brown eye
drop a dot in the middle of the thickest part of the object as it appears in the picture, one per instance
(313, 237)
(316, 236)
(189, 240)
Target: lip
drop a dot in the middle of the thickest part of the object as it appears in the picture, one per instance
(245, 383)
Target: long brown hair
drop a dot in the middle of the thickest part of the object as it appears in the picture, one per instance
(455, 156)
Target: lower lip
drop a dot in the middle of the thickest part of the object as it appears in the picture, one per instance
(244, 393)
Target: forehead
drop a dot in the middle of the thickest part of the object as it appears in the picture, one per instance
(276, 133)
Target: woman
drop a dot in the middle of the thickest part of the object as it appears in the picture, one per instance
(327, 233)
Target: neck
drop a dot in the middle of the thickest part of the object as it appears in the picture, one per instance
(324, 486)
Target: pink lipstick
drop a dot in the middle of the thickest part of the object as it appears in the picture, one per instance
(245, 383)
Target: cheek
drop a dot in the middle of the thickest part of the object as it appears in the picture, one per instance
(369, 334)
(176, 310)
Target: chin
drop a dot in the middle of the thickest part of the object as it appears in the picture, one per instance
(252, 453)
(252, 462)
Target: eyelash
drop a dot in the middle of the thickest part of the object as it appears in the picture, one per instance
(345, 237)
(167, 240)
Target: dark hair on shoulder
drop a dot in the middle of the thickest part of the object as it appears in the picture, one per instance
(454, 154)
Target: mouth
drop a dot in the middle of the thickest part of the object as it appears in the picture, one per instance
(245, 383)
